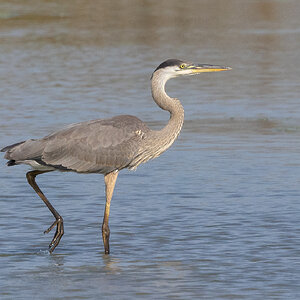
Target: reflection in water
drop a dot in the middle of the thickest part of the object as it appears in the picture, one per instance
(218, 214)
(111, 265)
(56, 264)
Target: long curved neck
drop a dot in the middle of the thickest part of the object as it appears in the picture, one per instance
(169, 133)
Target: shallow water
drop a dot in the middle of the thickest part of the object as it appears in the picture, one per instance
(216, 216)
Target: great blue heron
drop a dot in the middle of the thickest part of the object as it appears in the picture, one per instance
(105, 146)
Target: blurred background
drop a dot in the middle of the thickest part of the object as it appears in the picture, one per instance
(217, 215)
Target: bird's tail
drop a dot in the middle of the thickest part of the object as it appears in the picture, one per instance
(8, 149)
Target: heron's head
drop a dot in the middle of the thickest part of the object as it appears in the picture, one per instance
(174, 67)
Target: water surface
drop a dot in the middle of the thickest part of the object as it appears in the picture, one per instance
(216, 216)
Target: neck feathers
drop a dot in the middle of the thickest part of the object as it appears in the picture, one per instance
(170, 132)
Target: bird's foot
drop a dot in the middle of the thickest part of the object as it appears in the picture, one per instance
(58, 234)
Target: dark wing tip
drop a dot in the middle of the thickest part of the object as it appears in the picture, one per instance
(11, 163)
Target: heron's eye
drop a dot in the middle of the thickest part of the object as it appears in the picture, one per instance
(182, 66)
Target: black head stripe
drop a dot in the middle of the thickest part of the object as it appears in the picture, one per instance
(169, 63)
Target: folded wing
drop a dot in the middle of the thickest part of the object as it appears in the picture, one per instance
(99, 146)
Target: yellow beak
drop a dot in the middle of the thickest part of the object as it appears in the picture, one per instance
(207, 68)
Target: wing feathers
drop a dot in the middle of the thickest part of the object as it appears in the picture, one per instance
(95, 146)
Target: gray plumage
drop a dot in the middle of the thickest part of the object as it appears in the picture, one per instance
(106, 146)
(98, 146)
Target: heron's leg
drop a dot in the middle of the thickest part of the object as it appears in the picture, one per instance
(110, 181)
(58, 219)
